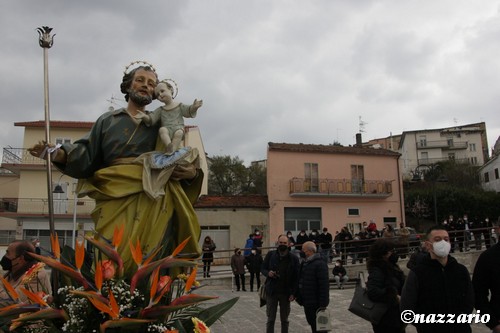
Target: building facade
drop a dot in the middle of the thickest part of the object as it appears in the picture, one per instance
(463, 144)
(489, 172)
(315, 186)
(229, 220)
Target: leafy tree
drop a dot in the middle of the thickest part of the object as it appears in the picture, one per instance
(256, 182)
(457, 191)
(228, 176)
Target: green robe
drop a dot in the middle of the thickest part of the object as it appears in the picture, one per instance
(119, 193)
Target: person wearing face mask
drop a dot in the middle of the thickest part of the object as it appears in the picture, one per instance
(325, 244)
(313, 291)
(301, 239)
(238, 267)
(385, 282)
(36, 244)
(439, 284)
(16, 262)
(281, 269)
(487, 232)
(258, 240)
(485, 281)
(340, 274)
(291, 240)
(208, 248)
(254, 263)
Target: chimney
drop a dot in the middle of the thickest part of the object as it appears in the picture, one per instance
(359, 142)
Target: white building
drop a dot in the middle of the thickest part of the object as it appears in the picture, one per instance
(465, 143)
(489, 174)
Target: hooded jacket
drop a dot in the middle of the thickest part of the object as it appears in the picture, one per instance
(435, 289)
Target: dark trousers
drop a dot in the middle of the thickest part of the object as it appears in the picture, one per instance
(310, 312)
(237, 278)
(206, 268)
(272, 303)
(257, 277)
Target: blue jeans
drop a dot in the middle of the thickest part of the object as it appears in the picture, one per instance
(325, 254)
(271, 309)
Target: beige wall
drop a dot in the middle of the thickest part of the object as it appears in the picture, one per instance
(9, 183)
(239, 220)
(283, 166)
(34, 134)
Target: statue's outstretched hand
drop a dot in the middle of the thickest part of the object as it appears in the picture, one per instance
(197, 104)
(38, 149)
(42, 149)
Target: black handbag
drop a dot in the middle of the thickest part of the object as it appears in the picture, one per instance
(262, 294)
(364, 307)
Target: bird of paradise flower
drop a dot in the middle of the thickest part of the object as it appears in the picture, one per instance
(160, 307)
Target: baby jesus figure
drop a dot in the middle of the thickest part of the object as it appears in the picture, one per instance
(171, 115)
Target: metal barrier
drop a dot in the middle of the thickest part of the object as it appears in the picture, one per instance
(356, 251)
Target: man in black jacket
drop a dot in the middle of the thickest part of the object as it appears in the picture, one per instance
(325, 244)
(281, 269)
(438, 285)
(314, 290)
(486, 280)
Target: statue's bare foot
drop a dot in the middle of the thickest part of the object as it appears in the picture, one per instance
(169, 150)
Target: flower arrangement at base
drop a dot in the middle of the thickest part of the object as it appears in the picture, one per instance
(101, 299)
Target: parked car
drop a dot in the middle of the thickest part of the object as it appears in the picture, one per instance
(414, 240)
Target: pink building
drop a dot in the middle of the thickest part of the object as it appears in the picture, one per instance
(316, 186)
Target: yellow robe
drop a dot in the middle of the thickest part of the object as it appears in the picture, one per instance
(166, 221)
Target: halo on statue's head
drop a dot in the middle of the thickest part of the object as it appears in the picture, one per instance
(134, 64)
(171, 83)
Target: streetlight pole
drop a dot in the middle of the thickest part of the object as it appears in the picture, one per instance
(74, 214)
(434, 171)
(46, 41)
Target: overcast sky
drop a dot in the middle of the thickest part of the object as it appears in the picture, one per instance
(279, 71)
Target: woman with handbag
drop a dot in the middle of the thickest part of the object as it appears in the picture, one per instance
(208, 255)
(385, 282)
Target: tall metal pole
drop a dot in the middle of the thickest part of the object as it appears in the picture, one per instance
(46, 41)
(74, 213)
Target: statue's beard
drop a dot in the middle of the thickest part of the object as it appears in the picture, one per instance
(140, 100)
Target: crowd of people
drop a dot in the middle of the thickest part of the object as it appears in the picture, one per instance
(297, 270)
(466, 233)
(436, 283)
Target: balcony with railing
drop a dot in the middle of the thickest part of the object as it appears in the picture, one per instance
(15, 158)
(35, 206)
(341, 188)
(443, 144)
(429, 161)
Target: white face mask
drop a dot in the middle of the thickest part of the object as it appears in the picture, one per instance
(441, 248)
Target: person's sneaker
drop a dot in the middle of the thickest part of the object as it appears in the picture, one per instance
(342, 287)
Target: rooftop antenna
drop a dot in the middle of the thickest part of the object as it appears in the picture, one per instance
(362, 125)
